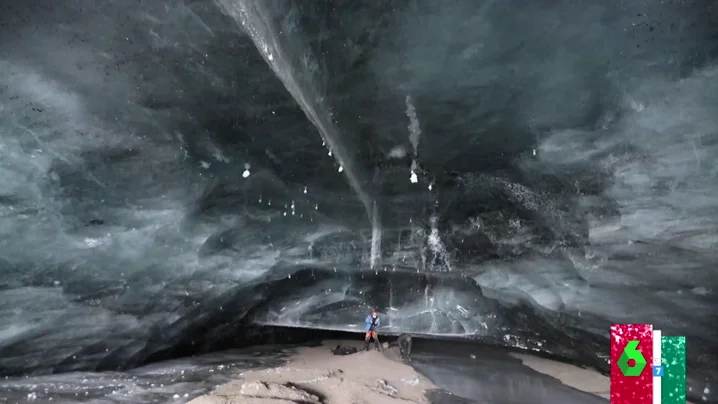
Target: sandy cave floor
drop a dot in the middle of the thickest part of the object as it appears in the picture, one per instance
(314, 376)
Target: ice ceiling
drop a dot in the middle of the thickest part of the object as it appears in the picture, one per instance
(525, 175)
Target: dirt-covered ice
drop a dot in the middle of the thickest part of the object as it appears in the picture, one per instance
(315, 375)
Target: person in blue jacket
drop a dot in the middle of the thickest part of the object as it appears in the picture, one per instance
(371, 324)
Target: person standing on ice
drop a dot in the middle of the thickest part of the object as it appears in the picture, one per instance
(371, 324)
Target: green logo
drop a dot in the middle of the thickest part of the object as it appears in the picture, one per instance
(630, 352)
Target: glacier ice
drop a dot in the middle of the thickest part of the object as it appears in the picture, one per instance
(173, 175)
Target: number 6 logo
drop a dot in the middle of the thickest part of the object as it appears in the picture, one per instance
(630, 352)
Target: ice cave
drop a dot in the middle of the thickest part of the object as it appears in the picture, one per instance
(184, 177)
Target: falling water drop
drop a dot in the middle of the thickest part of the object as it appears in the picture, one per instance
(413, 178)
(341, 169)
(246, 172)
(305, 189)
(316, 207)
(330, 153)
